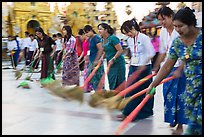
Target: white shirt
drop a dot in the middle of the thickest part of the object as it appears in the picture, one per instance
(166, 41)
(20, 42)
(33, 45)
(26, 42)
(58, 45)
(143, 49)
(12, 45)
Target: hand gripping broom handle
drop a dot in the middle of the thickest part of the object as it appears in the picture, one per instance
(54, 71)
(93, 72)
(102, 80)
(134, 113)
(130, 88)
(145, 90)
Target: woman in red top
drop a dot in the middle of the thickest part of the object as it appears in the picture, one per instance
(85, 47)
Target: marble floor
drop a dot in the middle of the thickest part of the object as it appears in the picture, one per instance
(37, 112)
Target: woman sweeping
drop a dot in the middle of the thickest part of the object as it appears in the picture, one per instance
(70, 70)
(94, 53)
(187, 47)
(113, 51)
(46, 50)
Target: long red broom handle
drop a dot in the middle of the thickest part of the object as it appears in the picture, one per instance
(134, 113)
(145, 90)
(130, 88)
(102, 80)
(93, 72)
(130, 79)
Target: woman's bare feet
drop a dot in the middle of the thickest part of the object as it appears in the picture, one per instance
(179, 130)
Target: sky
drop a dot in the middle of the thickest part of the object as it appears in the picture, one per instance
(139, 9)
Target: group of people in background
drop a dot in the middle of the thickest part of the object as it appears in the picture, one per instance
(176, 52)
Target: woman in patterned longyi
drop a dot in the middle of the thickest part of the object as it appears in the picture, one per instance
(70, 73)
(188, 47)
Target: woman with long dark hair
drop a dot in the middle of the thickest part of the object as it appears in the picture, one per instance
(113, 53)
(85, 47)
(94, 53)
(142, 51)
(70, 70)
(45, 52)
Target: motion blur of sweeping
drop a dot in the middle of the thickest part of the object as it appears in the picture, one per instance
(94, 102)
(19, 72)
(125, 101)
(66, 92)
(114, 102)
(96, 99)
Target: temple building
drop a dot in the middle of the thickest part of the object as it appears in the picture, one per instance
(18, 17)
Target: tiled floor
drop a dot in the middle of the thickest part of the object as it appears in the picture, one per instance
(36, 112)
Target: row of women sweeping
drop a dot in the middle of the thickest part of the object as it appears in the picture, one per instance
(142, 51)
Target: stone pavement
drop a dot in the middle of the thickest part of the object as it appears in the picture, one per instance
(36, 112)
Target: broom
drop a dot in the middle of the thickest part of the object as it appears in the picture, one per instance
(125, 101)
(113, 102)
(19, 73)
(111, 93)
(100, 94)
(29, 77)
(64, 91)
(124, 84)
(77, 92)
(134, 113)
(49, 79)
(24, 84)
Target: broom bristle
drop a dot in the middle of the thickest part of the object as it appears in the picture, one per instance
(96, 99)
(57, 91)
(46, 81)
(75, 93)
(123, 103)
(18, 74)
(113, 102)
(109, 93)
(55, 88)
(27, 78)
(23, 84)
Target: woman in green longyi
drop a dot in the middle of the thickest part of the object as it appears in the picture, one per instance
(113, 53)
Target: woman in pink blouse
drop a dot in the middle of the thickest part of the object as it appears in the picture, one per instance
(70, 73)
(85, 46)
